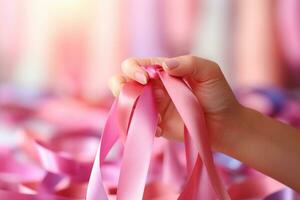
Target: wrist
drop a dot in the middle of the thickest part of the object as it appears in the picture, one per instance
(234, 129)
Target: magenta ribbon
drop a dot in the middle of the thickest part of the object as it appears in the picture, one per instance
(140, 137)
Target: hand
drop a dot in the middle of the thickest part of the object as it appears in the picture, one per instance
(208, 84)
(257, 140)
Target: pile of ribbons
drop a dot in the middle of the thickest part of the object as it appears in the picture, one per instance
(57, 154)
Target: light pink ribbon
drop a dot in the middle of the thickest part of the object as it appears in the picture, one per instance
(139, 142)
(58, 167)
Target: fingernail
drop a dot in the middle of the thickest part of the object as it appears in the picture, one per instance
(158, 132)
(140, 77)
(171, 64)
(159, 93)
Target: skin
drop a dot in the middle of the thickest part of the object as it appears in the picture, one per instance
(247, 135)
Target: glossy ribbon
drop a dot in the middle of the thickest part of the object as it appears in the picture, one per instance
(139, 142)
(130, 163)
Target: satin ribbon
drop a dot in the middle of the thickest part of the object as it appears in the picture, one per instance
(139, 141)
(131, 163)
(57, 171)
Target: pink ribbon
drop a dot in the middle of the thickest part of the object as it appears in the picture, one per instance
(139, 143)
(131, 163)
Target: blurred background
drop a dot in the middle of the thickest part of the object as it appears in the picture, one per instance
(56, 57)
(72, 47)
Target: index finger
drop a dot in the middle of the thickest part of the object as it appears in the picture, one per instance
(131, 67)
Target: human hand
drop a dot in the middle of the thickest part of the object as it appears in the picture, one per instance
(208, 84)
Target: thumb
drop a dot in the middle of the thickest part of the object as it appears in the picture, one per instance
(205, 78)
(191, 67)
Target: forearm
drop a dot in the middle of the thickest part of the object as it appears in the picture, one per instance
(266, 145)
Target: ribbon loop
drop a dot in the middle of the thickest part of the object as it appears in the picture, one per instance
(139, 141)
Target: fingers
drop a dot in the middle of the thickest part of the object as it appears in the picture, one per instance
(195, 70)
(132, 68)
(199, 69)
(172, 125)
(158, 132)
(187, 66)
(116, 83)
